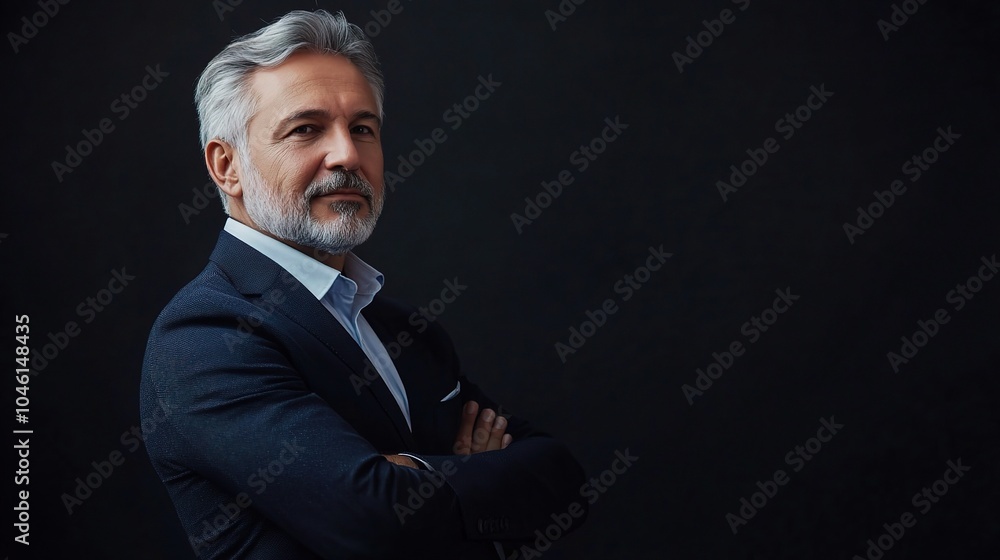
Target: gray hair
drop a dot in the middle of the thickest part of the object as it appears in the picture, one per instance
(225, 102)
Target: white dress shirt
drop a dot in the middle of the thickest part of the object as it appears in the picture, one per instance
(343, 294)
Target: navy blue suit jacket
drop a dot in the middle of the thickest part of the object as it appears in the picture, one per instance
(274, 433)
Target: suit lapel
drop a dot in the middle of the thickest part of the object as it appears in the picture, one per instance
(422, 385)
(254, 274)
(303, 308)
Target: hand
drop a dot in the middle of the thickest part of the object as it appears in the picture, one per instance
(480, 431)
(402, 460)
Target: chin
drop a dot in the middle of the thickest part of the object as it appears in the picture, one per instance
(326, 212)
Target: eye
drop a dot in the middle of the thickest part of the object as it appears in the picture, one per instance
(303, 129)
(362, 129)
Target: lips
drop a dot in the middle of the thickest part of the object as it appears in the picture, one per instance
(344, 192)
(344, 196)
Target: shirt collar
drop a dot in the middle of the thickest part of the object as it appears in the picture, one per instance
(314, 275)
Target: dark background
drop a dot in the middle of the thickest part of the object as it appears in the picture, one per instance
(655, 185)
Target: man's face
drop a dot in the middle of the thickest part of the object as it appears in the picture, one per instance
(314, 171)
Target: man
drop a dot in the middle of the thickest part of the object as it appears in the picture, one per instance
(305, 417)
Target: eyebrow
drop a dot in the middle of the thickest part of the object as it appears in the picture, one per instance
(325, 115)
(367, 115)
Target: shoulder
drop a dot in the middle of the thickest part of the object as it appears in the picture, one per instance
(205, 341)
(207, 315)
(211, 293)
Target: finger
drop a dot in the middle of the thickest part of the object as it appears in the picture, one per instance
(507, 439)
(481, 433)
(463, 440)
(497, 433)
(401, 460)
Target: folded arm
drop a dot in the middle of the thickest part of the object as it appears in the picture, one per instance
(242, 417)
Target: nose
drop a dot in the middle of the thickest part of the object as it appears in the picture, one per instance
(341, 153)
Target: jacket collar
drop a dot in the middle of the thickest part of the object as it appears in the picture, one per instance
(256, 276)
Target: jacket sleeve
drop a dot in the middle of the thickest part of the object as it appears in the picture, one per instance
(506, 495)
(241, 417)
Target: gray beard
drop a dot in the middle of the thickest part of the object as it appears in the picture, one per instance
(288, 216)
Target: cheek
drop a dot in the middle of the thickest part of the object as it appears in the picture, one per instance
(285, 171)
(296, 174)
(373, 169)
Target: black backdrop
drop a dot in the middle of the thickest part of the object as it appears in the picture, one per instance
(131, 202)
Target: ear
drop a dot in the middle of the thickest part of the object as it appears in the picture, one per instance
(220, 158)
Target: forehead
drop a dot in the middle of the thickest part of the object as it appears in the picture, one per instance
(310, 80)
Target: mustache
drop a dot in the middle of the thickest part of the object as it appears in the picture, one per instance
(341, 181)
